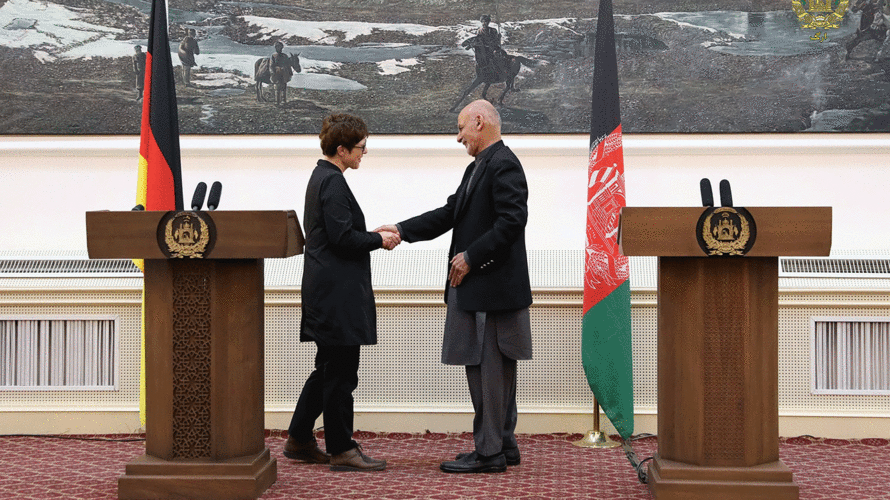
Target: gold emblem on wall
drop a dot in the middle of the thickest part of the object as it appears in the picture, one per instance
(726, 231)
(819, 14)
(184, 235)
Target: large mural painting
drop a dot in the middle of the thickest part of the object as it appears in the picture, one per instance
(70, 67)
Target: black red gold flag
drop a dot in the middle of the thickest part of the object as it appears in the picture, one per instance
(159, 185)
(160, 177)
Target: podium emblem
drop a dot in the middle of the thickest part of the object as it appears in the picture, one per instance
(726, 231)
(186, 235)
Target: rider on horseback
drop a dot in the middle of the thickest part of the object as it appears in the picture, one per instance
(493, 64)
(494, 57)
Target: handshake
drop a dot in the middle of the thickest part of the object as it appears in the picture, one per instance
(391, 236)
(459, 265)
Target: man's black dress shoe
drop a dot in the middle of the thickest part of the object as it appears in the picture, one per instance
(473, 462)
(511, 454)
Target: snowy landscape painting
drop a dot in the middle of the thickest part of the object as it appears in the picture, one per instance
(693, 66)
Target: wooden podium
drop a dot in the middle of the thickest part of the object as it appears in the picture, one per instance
(718, 352)
(203, 346)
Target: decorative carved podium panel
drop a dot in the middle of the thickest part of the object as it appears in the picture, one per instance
(718, 353)
(191, 363)
(203, 346)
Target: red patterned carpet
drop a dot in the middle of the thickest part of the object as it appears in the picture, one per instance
(88, 467)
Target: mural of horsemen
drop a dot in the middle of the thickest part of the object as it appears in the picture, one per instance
(692, 66)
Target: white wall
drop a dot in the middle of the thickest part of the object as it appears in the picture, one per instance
(47, 183)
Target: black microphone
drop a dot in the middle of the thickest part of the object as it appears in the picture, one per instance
(137, 208)
(213, 199)
(198, 197)
(725, 194)
(707, 194)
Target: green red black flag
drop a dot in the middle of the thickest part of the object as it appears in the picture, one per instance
(160, 178)
(606, 328)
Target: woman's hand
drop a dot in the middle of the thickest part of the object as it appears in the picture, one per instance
(390, 239)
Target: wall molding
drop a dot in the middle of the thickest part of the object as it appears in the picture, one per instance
(445, 145)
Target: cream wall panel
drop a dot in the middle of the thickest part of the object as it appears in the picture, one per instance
(47, 183)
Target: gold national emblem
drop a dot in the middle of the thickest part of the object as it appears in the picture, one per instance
(185, 235)
(726, 231)
(819, 14)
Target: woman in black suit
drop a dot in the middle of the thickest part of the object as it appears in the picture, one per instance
(339, 314)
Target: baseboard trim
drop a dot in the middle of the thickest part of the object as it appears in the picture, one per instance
(126, 421)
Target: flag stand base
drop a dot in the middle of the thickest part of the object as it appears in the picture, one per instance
(596, 439)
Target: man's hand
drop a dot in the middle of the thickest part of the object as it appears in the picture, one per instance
(388, 227)
(390, 239)
(459, 269)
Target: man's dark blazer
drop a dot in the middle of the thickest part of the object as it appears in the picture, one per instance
(338, 302)
(489, 225)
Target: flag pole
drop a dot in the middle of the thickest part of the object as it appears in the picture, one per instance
(594, 437)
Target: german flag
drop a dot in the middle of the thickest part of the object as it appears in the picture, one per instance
(160, 174)
(160, 177)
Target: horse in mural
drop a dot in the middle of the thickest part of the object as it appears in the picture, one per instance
(263, 73)
(490, 69)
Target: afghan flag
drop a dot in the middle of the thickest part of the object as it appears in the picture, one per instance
(159, 186)
(605, 327)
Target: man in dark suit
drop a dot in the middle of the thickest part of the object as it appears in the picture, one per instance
(487, 326)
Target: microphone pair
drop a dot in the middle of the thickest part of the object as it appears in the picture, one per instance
(198, 197)
(212, 200)
(707, 195)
